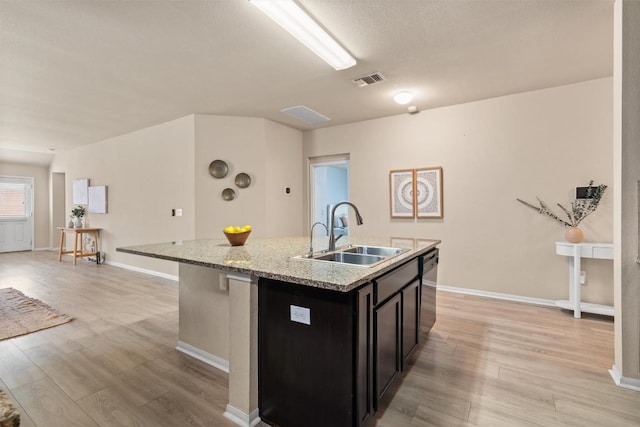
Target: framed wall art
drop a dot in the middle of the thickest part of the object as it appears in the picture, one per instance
(81, 191)
(401, 190)
(98, 199)
(428, 192)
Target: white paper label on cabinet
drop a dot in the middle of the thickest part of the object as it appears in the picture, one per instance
(300, 315)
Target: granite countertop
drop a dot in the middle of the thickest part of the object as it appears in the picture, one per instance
(273, 257)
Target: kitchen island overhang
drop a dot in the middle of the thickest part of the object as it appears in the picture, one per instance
(274, 258)
(242, 268)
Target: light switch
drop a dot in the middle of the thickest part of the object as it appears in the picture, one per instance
(300, 314)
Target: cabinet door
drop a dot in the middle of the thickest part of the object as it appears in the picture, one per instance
(305, 370)
(410, 319)
(387, 321)
(364, 355)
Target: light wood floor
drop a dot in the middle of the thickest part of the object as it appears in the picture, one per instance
(486, 362)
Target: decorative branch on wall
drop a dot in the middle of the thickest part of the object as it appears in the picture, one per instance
(416, 193)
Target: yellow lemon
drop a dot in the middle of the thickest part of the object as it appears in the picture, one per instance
(247, 228)
(229, 229)
(237, 229)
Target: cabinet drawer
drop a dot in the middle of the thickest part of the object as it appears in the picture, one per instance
(395, 280)
(603, 252)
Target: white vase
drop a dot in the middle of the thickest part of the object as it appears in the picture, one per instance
(77, 223)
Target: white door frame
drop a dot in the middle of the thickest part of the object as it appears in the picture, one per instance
(336, 159)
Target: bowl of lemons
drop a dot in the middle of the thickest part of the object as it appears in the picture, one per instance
(237, 235)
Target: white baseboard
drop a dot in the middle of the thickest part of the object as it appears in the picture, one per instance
(630, 383)
(497, 295)
(142, 270)
(47, 249)
(203, 356)
(241, 418)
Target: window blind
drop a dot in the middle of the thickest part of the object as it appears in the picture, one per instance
(12, 200)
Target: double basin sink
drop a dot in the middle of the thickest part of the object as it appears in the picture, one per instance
(366, 256)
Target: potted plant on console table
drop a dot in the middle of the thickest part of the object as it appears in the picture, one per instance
(580, 209)
(78, 213)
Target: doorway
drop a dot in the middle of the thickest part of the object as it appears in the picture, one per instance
(328, 185)
(16, 214)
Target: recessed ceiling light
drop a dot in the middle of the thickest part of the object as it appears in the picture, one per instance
(300, 25)
(403, 97)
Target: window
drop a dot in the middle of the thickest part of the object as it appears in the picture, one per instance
(13, 198)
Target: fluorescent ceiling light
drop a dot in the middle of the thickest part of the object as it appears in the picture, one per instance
(403, 97)
(293, 19)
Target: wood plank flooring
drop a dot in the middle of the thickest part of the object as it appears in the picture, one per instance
(485, 363)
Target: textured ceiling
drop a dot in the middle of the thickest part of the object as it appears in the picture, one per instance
(75, 72)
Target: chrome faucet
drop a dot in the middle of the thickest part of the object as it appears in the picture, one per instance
(332, 237)
(310, 254)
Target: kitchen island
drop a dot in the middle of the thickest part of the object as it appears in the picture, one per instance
(240, 302)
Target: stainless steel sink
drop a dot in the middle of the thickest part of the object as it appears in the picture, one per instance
(365, 256)
(350, 258)
(375, 250)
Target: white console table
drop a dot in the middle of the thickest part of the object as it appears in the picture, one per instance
(574, 252)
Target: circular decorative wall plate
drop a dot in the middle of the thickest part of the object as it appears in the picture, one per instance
(218, 169)
(243, 180)
(228, 194)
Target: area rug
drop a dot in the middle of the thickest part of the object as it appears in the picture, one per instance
(20, 315)
(9, 416)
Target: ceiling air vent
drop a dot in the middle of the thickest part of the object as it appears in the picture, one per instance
(368, 80)
(305, 114)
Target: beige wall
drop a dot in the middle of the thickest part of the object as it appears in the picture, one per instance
(153, 170)
(148, 172)
(542, 143)
(204, 310)
(40, 175)
(270, 153)
(284, 168)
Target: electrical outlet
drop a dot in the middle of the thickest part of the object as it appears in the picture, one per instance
(583, 277)
(176, 212)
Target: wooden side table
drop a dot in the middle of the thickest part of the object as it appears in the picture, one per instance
(574, 252)
(78, 252)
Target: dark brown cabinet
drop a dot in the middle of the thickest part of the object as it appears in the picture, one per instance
(410, 320)
(395, 323)
(388, 318)
(364, 358)
(305, 371)
(327, 358)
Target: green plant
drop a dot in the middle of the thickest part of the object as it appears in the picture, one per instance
(78, 212)
(580, 208)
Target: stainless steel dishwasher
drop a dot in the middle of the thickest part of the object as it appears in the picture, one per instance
(429, 280)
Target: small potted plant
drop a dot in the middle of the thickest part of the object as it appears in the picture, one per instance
(78, 213)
